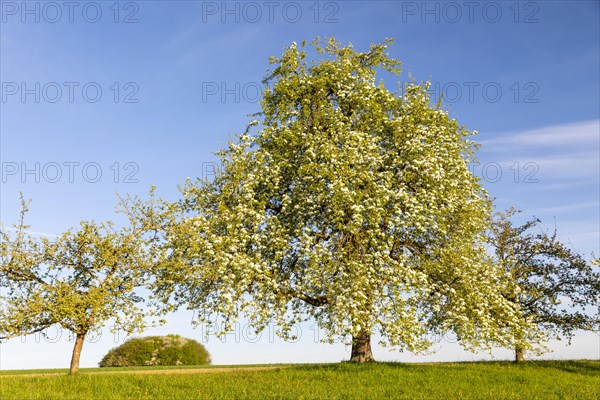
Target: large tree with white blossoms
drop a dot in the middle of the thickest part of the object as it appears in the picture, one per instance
(347, 204)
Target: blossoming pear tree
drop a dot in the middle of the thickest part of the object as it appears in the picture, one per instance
(78, 281)
(551, 283)
(346, 204)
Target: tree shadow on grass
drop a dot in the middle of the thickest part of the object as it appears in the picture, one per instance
(581, 367)
(352, 366)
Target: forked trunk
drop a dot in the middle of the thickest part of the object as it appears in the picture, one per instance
(519, 355)
(76, 353)
(361, 348)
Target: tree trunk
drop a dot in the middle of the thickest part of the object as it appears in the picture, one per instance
(519, 355)
(361, 348)
(76, 353)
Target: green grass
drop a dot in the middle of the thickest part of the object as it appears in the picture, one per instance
(119, 369)
(481, 380)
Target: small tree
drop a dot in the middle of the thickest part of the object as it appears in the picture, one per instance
(79, 281)
(351, 205)
(551, 283)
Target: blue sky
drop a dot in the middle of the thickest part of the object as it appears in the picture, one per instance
(178, 79)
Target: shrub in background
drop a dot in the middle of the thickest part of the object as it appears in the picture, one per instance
(157, 350)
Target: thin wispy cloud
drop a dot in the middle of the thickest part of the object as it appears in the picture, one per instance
(572, 165)
(240, 35)
(33, 233)
(557, 153)
(575, 206)
(585, 133)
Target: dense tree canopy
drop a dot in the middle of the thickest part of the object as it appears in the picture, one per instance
(345, 203)
(156, 350)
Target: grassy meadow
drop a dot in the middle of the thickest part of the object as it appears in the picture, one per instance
(542, 380)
